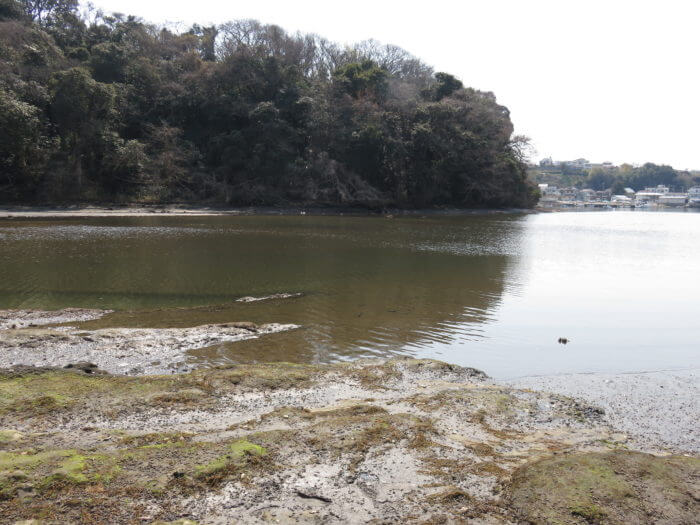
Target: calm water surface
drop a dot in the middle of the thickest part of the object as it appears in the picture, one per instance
(494, 291)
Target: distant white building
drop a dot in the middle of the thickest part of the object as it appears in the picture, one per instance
(694, 197)
(587, 195)
(673, 199)
(651, 194)
(624, 199)
(603, 195)
(568, 194)
(549, 193)
(578, 163)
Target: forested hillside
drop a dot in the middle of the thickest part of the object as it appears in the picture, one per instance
(97, 108)
(615, 178)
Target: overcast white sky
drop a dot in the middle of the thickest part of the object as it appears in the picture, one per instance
(614, 80)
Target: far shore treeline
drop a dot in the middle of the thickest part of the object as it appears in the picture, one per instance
(109, 108)
(614, 178)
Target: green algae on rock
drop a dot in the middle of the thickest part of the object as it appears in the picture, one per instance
(618, 487)
(377, 440)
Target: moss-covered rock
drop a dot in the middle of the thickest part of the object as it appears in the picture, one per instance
(234, 460)
(613, 487)
(377, 440)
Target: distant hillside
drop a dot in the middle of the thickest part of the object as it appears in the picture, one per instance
(615, 178)
(111, 108)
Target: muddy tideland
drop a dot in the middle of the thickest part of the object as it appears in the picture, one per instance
(381, 441)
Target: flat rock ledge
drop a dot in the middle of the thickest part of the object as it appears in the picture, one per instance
(115, 350)
(16, 319)
(380, 441)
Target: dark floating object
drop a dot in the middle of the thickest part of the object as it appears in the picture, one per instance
(562, 340)
(85, 366)
(312, 495)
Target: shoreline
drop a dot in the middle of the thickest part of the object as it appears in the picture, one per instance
(352, 442)
(657, 409)
(19, 212)
(42, 338)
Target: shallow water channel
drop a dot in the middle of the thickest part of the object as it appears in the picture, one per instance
(492, 291)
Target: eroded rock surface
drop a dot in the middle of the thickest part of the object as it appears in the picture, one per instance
(382, 441)
(15, 319)
(122, 350)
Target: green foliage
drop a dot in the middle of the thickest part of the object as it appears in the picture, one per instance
(113, 108)
(600, 179)
(617, 178)
(648, 175)
(79, 104)
(362, 79)
(11, 10)
(446, 85)
(46, 11)
(23, 146)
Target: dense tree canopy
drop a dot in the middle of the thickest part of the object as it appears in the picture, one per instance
(111, 108)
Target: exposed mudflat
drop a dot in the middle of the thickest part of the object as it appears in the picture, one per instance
(15, 319)
(657, 409)
(404, 440)
(115, 350)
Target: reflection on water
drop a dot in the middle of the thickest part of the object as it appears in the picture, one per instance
(492, 291)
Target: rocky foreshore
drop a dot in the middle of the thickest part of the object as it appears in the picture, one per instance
(659, 409)
(377, 441)
(24, 341)
(16, 319)
(123, 350)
